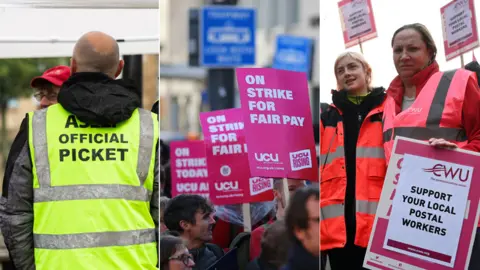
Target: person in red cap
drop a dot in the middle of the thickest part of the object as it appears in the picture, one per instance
(48, 85)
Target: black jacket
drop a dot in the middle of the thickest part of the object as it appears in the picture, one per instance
(93, 98)
(206, 256)
(260, 264)
(352, 118)
(300, 259)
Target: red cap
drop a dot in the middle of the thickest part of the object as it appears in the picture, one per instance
(56, 76)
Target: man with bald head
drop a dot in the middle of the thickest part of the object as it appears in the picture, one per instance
(81, 185)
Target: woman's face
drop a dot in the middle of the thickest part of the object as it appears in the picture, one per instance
(410, 53)
(181, 260)
(351, 75)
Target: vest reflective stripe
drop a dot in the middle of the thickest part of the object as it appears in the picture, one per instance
(93, 240)
(39, 124)
(437, 111)
(425, 133)
(370, 173)
(39, 138)
(146, 145)
(362, 152)
(86, 192)
(338, 210)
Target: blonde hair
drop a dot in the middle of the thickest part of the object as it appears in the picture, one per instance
(359, 58)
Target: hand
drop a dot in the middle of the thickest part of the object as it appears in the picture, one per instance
(442, 143)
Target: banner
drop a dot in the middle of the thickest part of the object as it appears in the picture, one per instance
(278, 123)
(428, 211)
(358, 23)
(227, 157)
(459, 25)
(188, 165)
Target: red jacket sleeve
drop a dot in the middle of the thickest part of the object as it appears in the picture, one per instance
(471, 116)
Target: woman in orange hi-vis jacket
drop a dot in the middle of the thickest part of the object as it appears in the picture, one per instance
(352, 163)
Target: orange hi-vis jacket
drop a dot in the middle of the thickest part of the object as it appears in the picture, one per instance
(435, 113)
(370, 175)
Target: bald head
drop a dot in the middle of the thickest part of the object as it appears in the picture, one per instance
(97, 52)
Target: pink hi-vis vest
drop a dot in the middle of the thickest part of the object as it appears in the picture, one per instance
(435, 113)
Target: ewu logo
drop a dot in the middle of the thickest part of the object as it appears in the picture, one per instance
(266, 157)
(449, 173)
(226, 186)
(300, 160)
(259, 185)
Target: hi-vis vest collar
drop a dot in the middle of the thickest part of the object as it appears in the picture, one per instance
(47, 193)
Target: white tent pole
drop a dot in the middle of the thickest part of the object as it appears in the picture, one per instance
(68, 40)
(84, 4)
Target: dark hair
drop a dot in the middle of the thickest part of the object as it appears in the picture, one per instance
(274, 244)
(165, 165)
(163, 205)
(184, 207)
(424, 33)
(297, 213)
(168, 247)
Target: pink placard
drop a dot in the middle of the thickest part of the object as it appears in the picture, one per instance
(189, 168)
(278, 123)
(459, 25)
(229, 174)
(358, 22)
(377, 257)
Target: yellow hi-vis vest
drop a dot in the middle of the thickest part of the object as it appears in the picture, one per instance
(92, 189)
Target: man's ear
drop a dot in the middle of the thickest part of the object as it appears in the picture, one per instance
(73, 66)
(299, 234)
(120, 66)
(276, 194)
(185, 225)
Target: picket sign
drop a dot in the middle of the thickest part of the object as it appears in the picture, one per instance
(247, 218)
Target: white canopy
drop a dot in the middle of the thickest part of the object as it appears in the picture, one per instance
(52, 28)
(82, 3)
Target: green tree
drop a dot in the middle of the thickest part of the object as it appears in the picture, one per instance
(15, 77)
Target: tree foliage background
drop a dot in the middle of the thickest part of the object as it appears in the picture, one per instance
(15, 77)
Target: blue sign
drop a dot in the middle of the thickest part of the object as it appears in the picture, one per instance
(227, 36)
(293, 53)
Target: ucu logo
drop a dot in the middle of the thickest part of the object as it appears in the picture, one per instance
(267, 157)
(226, 186)
(187, 187)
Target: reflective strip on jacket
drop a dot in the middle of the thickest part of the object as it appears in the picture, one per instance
(92, 190)
(370, 174)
